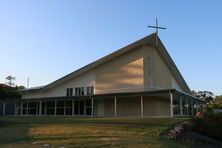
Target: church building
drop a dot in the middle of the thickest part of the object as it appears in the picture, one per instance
(138, 80)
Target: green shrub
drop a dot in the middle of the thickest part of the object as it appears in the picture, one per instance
(209, 124)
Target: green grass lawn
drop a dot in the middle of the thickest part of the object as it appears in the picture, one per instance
(86, 132)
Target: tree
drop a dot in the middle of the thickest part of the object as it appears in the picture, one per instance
(9, 92)
(204, 95)
(215, 104)
(10, 80)
(218, 100)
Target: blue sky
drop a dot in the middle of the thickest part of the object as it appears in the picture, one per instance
(44, 40)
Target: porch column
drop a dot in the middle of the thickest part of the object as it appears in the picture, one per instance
(64, 109)
(171, 104)
(141, 101)
(27, 107)
(181, 106)
(197, 106)
(187, 106)
(40, 108)
(73, 105)
(21, 108)
(45, 109)
(92, 109)
(3, 112)
(55, 107)
(192, 107)
(115, 106)
(84, 108)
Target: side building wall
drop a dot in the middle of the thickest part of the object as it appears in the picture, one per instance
(157, 74)
(131, 106)
(122, 74)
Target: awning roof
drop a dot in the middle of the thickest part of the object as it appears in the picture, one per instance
(121, 94)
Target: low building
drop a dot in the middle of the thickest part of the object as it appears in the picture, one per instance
(140, 79)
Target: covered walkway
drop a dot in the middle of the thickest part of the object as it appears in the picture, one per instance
(141, 104)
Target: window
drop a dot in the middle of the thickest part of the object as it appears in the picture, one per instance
(79, 91)
(69, 92)
(90, 90)
(88, 107)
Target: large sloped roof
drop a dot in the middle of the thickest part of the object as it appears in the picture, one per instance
(148, 40)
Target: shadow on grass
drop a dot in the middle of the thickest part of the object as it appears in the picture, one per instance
(12, 131)
(16, 129)
(4, 124)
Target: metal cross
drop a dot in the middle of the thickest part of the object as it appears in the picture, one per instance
(156, 27)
